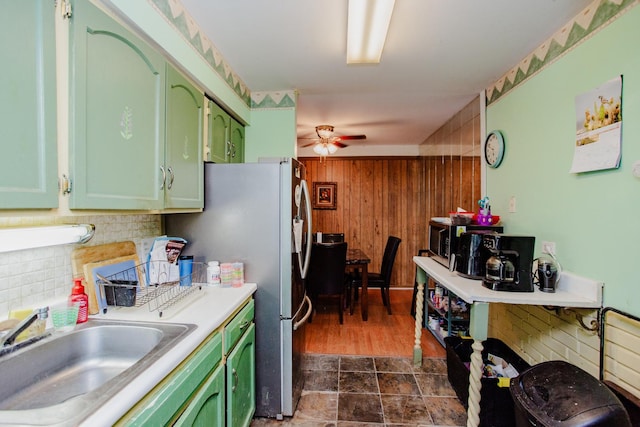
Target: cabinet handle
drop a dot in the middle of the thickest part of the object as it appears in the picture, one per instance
(233, 150)
(235, 379)
(244, 324)
(164, 177)
(171, 177)
(228, 149)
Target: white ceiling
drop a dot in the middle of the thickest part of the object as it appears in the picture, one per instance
(438, 56)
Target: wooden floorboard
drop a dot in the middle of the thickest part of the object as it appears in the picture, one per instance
(382, 335)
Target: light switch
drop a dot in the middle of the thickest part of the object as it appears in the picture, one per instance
(512, 204)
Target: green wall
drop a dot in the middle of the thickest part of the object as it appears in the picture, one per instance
(272, 134)
(592, 217)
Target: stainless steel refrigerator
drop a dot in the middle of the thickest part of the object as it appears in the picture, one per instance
(259, 214)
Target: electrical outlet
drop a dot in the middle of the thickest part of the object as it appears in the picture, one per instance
(512, 204)
(549, 248)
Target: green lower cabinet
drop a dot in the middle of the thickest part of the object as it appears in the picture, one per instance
(241, 379)
(169, 399)
(207, 407)
(205, 389)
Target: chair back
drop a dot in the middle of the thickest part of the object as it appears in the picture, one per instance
(327, 268)
(388, 258)
(332, 237)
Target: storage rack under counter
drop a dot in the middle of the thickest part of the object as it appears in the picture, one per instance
(572, 291)
(446, 314)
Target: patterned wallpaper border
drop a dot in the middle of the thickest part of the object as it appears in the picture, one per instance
(267, 100)
(593, 18)
(175, 14)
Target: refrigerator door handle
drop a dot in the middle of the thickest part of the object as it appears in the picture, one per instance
(306, 315)
(307, 256)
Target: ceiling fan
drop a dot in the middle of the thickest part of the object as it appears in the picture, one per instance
(327, 143)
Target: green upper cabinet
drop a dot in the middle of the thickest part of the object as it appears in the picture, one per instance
(184, 167)
(28, 164)
(218, 123)
(225, 140)
(117, 116)
(237, 142)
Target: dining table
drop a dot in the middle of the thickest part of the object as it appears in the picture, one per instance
(358, 260)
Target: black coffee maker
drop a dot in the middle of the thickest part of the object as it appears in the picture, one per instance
(510, 261)
(471, 257)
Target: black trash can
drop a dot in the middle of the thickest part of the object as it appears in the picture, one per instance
(559, 394)
(496, 404)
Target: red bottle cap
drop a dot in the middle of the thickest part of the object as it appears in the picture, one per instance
(78, 289)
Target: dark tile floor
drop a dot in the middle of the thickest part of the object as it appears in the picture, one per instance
(358, 391)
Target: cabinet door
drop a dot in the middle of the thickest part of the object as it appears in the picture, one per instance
(184, 168)
(117, 115)
(241, 380)
(218, 138)
(28, 164)
(237, 142)
(166, 402)
(207, 407)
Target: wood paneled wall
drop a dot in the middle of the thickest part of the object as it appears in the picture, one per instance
(378, 197)
(454, 182)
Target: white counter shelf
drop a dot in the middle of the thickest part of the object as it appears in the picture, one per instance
(573, 290)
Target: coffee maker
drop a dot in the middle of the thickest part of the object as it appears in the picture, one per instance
(510, 261)
(471, 257)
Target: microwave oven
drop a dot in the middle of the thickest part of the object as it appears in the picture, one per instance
(444, 238)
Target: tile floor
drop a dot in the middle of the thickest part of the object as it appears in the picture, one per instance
(361, 391)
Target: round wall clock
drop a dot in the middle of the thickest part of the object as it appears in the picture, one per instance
(494, 148)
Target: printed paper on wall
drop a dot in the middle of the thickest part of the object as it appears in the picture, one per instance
(598, 128)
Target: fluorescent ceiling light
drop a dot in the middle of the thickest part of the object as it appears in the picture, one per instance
(367, 30)
(15, 239)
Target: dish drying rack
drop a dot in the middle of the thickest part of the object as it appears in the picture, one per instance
(156, 284)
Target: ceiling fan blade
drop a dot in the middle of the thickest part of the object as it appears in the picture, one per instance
(339, 144)
(311, 144)
(347, 137)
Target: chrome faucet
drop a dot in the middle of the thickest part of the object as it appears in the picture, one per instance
(10, 338)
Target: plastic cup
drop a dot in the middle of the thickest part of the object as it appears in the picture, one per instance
(64, 317)
(185, 265)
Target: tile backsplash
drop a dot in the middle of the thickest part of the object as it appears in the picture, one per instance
(31, 276)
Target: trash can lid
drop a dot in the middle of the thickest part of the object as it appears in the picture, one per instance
(559, 391)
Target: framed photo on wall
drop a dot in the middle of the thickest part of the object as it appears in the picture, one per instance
(325, 195)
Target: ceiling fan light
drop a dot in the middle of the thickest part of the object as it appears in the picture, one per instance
(332, 148)
(320, 149)
(367, 27)
(324, 131)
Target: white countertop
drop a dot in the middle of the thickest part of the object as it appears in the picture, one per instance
(572, 291)
(207, 308)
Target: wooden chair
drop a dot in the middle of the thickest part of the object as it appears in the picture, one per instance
(326, 276)
(382, 279)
